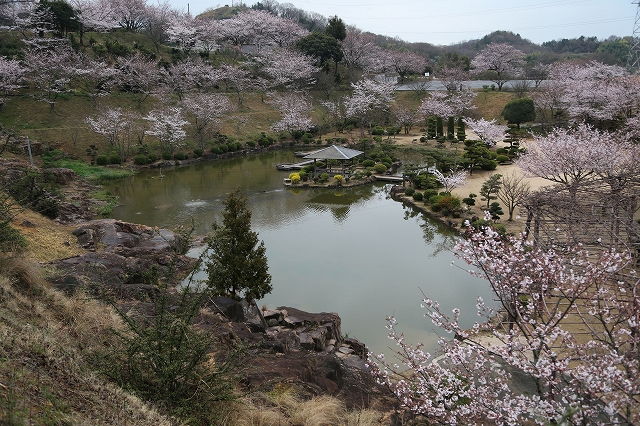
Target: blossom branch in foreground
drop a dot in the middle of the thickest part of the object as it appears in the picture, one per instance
(531, 366)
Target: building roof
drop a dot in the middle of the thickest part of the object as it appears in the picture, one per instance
(334, 152)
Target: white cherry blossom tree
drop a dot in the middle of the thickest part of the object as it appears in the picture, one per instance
(208, 111)
(452, 180)
(167, 125)
(502, 60)
(369, 97)
(526, 366)
(489, 132)
(295, 109)
(112, 124)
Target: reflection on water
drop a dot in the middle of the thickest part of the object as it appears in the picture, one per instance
(353, 251)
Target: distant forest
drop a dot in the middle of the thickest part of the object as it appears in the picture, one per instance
(611, 51)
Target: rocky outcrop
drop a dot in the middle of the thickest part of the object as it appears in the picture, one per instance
(300, 348)
(121, 258)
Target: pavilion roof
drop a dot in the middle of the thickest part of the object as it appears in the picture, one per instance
(334, 152)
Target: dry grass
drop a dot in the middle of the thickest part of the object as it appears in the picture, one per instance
(489, 105)
(48, 240)
(283, 407)
(45, 341)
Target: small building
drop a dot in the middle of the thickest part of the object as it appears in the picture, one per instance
(334, 152)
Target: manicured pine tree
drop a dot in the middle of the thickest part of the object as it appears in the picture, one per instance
(451, 128)
(461, 133)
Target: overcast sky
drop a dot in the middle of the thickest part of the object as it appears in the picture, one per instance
(445, 22)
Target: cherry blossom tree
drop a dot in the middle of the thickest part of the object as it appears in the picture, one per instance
(564, 377)
(489, 132)
(443, 104)
(208, 34)
(548, 103)
(405, 63)
(335, 113)
(569, 157)
(208, 111)
(184, 31)
(452, 180)
(405, 117)
(96, 78)
(453, 77)
(158, 19)
(513, 191)
(369, 97)
(595, 92)
(94, 15)
(11, 75)
(188, 75)
(359, 51)
(112, 124)
(130, 14)
(288, 68)
(167, 125)
(140, 76)
(51, 70)
(295, 108)
(237, 79)
(501, 59)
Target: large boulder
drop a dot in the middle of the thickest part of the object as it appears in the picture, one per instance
(121, 257)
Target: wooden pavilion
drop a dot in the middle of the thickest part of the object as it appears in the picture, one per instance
(334, 152)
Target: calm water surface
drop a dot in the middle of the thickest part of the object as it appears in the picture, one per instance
(352, 251)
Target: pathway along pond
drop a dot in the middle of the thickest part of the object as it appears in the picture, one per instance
(353, 251)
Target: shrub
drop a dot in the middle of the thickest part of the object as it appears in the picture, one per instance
(380, 168)
(489, 165)
(152, 157)
(251, 144)
(449, 203)
(166, 155)
(339, 178)
(378, 130)
(409, 191)
(503, 159)
(102, 160)
(114, 159)
(223, 148)
(180, 156)
(428, 193)
(303, 175)
(435, 199)
(198, 152)
(470, 200)
(368, 163)
(295, 177)
(140, 160)
(323, 177)
(418, 196)
(216, 150)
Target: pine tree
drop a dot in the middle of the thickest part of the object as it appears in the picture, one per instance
(461, 133)
(236, 264)
(451, 128)
(439, 127)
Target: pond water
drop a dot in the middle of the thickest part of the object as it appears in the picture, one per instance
(353, 251)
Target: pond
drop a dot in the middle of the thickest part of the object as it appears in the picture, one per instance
(354, 251)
